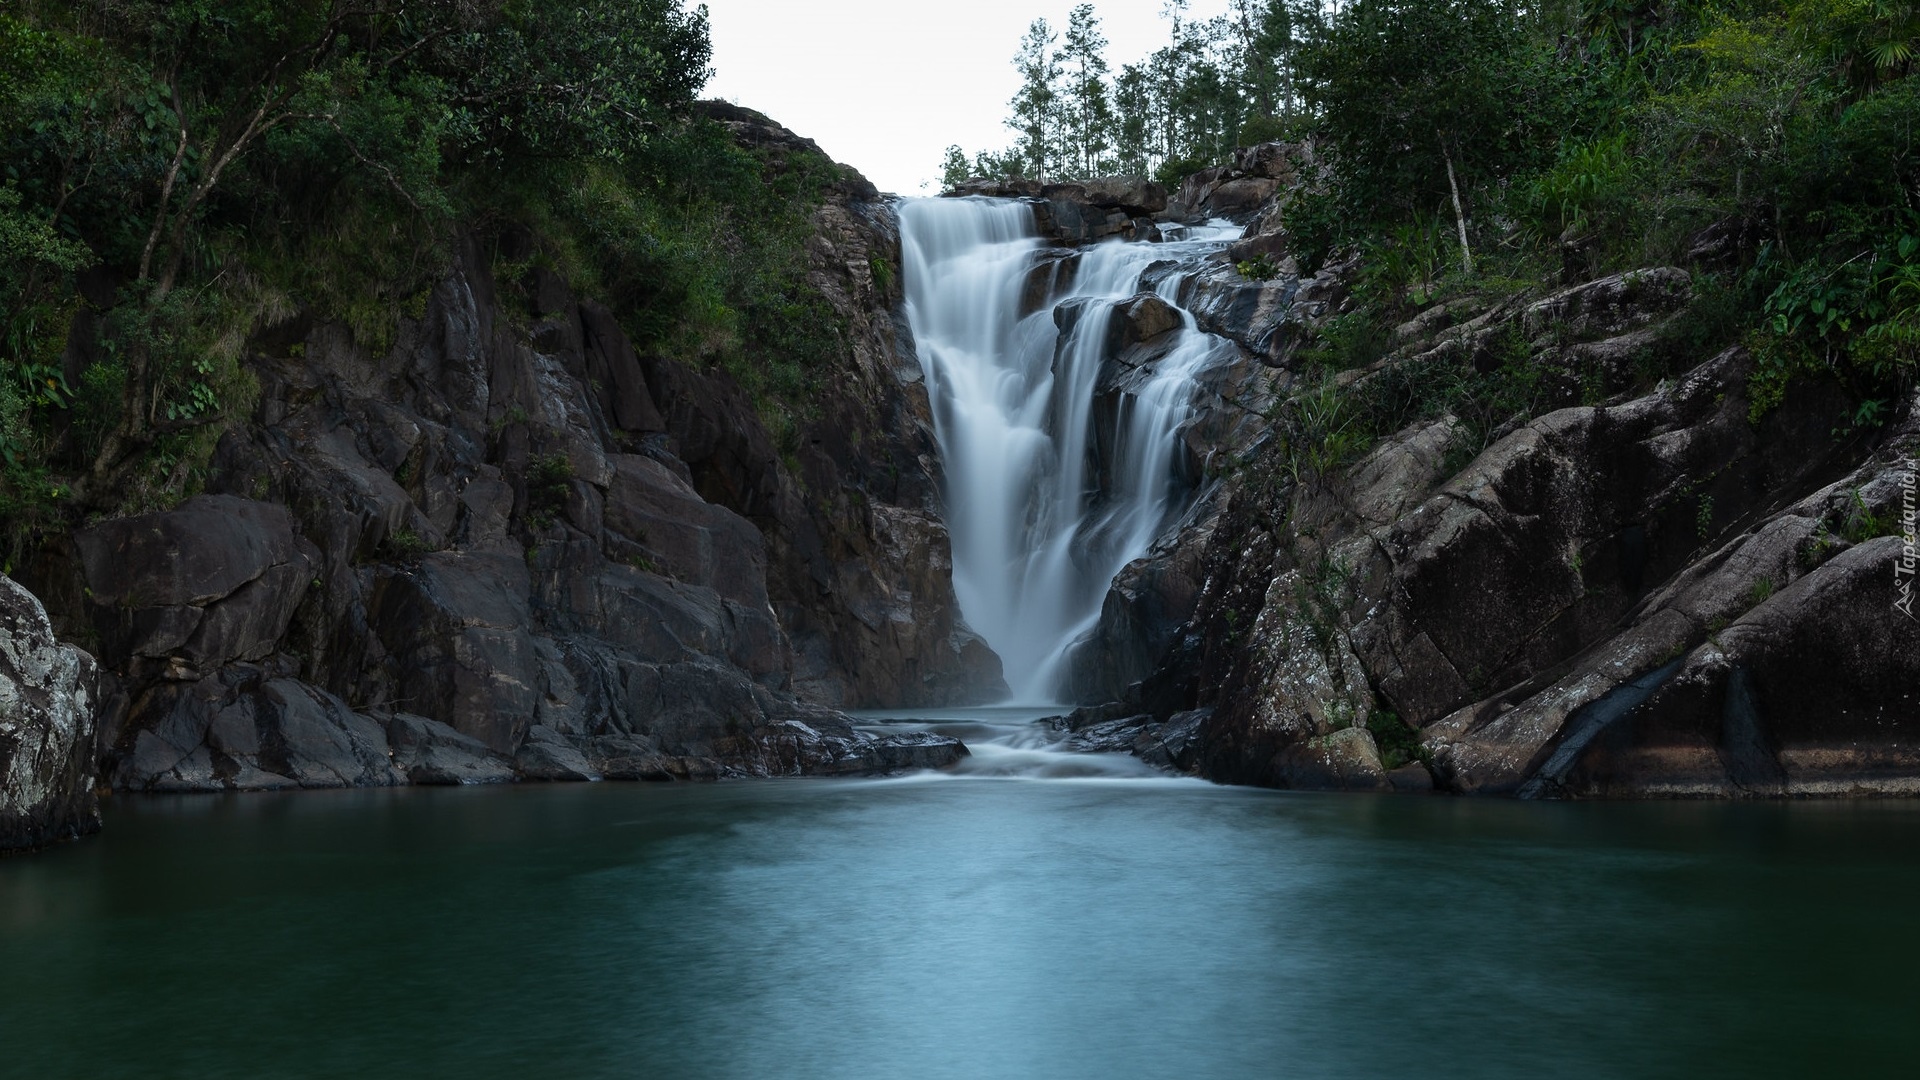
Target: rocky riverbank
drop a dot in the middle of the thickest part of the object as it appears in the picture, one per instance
(1672, 591)
(513, 547)
(510, 547)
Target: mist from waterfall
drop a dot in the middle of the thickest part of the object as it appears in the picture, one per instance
(1035, 542)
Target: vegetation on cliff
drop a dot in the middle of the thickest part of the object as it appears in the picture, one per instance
(181, 178)
(1487, 148)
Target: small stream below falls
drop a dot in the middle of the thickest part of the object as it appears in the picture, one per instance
(1046, 499)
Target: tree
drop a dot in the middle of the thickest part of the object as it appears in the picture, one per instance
(1265, 34)
(1134, 113)
(1411, 124)
(954, 169)
(136, 124)
(1089, 117)
(1036, 105)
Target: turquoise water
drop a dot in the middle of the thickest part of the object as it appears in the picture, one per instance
(972, 926)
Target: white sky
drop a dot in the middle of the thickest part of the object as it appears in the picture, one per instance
(887, 85)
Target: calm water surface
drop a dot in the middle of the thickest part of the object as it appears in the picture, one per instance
(1009, 922)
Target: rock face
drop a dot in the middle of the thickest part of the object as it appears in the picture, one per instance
(1654, 595)
(511, 546)
(47, 699)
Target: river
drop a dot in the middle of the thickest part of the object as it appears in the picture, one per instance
(1037, 916)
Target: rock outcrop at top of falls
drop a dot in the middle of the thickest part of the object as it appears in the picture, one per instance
(1665, 592)
(511, 546)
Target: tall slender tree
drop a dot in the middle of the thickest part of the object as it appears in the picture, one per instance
(1036, 105)
(1089, 116)
(1134, 113)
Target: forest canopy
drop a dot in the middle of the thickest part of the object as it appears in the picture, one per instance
(181, 175)
(1568, 137)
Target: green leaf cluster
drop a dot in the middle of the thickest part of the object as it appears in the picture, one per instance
(177, 176)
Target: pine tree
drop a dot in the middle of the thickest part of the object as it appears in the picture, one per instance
(1089, 117)
(1036, 105)
(1133, 120)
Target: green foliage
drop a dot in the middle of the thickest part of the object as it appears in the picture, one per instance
(1216, 84)
(700, 247)
(1345, 342)
(403, 544)
(1399, 742)
(1260, 268)
(1316, 224)
(589, 78)
(549, 485)
(1590, 185)
(1323, 428)
(36, 305)
(1405, 262)
(955, 169)
(1861, 524)
(232, 163)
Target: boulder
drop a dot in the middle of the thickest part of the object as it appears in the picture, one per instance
(548, 755)
(248, 730)
(1067, 216)
(1610, 306)
(429, 752)
(48, 693)
(213, 581)
(1135, 195)
(1142, 319)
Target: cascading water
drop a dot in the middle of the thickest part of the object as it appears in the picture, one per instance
(1035, 544)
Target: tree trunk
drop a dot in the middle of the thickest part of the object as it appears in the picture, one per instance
(1459, 213)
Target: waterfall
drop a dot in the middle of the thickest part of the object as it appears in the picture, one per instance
(1037, 538)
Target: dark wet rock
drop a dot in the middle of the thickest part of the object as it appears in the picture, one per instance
(996, 188)
(1052, 273)
(214, 581)
(1809, 693)
(1412, 779)
(1135, 195)
(670, 527)
(1173, 745)
(1244, 190)
(549, 756)
(1069, 219)
(1579, 612)
(1082, 211)
(429, 752)
(1116, 736)
(48, 694)
(1142, 319)
(1240, 198)
(1150, 600)
(457, 627)
(246, 729)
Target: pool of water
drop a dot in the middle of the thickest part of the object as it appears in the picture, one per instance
(1004, 922)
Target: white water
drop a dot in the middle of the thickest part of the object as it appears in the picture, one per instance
(1012, 742)
(1035, 546)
